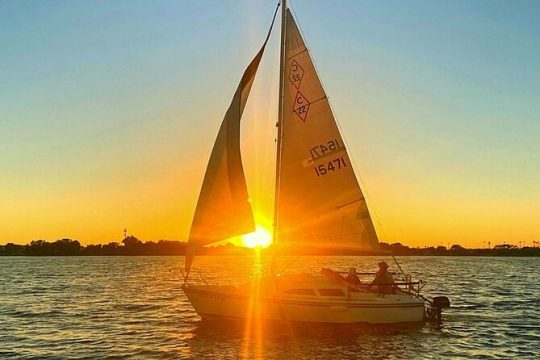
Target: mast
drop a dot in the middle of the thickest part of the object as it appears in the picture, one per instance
(279, 132)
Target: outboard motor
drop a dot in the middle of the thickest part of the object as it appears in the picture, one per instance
(435, 306)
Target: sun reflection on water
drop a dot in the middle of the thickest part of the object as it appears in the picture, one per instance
(253, 331)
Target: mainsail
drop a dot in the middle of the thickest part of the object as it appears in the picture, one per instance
(223, 209)
(319, 201)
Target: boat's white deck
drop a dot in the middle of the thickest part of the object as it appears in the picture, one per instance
(305, 287)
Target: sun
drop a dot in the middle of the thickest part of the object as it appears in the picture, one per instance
(259, 238)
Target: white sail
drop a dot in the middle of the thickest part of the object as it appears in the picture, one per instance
(223, 209)
(320, 203)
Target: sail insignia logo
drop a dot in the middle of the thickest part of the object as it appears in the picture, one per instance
(301, 106)
(301, 103)
(296, 74)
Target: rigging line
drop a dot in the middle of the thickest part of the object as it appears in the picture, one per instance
(402, 273)
(250, 75)
(295, 55)
(350, 203)
(319, 99)
(363, 187)
(272, 24)
(351, 157)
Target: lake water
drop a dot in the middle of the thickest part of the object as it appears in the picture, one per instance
(126, 307)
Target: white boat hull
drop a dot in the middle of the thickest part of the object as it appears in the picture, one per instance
(353, 307)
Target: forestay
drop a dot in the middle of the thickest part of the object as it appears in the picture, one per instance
(223, 209)
(320, 203)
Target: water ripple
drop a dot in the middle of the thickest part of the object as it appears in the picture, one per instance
(133, 307)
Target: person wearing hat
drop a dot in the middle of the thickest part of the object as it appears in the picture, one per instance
(383, 279)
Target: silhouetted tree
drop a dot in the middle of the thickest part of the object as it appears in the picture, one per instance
(400, 249)
(39, 247)
(65, 247)
(93, 250)
(111, 248)
(14, 249)
(133, 246)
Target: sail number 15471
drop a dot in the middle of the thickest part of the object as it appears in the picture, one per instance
(330, 166)
(321, 150)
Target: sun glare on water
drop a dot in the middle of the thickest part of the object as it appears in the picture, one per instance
(258, 238)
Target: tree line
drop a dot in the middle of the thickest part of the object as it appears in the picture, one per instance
(131, 246)
(458, 250)
(69, 247)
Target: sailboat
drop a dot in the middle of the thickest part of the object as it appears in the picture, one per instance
(318, 203)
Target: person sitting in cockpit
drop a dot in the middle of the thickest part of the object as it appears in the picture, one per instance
(383, 280)
(352, 277)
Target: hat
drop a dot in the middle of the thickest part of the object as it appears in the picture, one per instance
(383, 264)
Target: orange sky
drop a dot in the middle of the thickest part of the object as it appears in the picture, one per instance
(99, 132)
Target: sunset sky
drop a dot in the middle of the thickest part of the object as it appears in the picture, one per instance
(108, 112)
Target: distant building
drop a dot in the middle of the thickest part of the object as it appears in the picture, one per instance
(505, 246)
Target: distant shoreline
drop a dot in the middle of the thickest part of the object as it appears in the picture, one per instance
(131, 246)
(251, 254)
